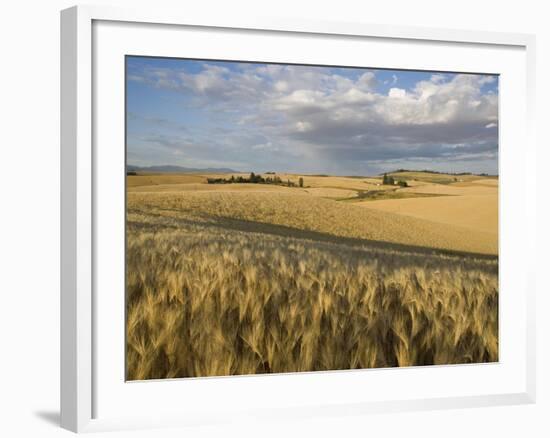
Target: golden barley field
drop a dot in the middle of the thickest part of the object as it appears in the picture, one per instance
(223, 280)
(475, 212)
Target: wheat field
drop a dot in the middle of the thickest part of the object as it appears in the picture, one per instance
(249, 282)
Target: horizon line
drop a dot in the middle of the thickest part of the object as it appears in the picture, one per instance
(399, 170)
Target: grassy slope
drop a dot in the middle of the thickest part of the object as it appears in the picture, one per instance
(477, 213)
(307, 213)
(438, 178)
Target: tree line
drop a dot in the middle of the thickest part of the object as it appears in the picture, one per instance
(255, 179)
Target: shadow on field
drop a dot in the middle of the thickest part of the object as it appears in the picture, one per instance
(248, 226)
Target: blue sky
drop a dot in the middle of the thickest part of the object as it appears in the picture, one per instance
(308, 119)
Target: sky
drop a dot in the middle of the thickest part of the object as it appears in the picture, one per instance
(308, 119)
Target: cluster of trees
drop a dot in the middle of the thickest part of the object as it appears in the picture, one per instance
(255, 179)
(389, 180)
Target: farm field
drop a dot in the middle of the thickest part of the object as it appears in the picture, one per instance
(473, 205)
(299, 218)
(244, 278)
(476, 213)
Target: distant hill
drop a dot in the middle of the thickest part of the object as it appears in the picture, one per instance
(177, 169)
(435, 172)
(430, 176)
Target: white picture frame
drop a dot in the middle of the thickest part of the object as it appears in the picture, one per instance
(84, 172)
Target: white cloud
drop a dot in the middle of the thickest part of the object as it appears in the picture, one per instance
(305, 108)
(486, 79)
(281, 86)
(366, 81)
(437, 78)
(303, 126)
(397, 92)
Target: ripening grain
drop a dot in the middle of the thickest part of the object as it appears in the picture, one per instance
(242, 283)
(297, 212)
(152, 179)
(475, 212)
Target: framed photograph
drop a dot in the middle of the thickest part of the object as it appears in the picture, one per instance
(282, 219)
